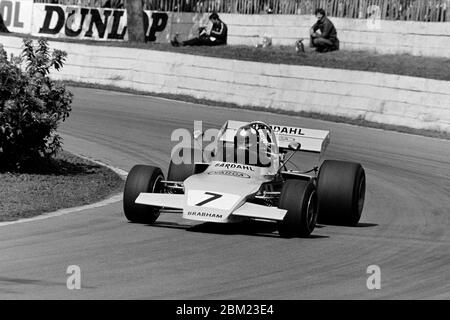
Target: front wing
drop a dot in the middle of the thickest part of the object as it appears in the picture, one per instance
(178, 201)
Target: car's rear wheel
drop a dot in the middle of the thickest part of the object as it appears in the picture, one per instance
(142, 178)
(299, 198)
(341, 190)
(182, 167)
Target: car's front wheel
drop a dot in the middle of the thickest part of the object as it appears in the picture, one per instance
(142, 178)
(183, 167)
(299, 198)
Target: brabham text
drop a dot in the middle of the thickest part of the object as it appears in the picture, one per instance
(204, 214)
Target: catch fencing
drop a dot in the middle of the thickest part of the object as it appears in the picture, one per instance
(405, 10)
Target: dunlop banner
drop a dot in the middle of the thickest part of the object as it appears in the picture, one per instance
(17, 15)
(59, 21)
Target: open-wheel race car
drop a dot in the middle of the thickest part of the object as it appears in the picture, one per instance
(245, 177)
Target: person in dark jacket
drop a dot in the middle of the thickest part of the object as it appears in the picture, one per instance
(327, 39)
(217, 36)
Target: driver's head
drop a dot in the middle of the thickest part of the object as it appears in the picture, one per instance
(251, 146)
(246, 137)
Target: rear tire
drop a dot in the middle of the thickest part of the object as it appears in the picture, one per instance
(300, 199)
(141, 179)
(341, 191)
(182, 171)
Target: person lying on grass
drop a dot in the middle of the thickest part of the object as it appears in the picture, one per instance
(217, 36)
(326, 40)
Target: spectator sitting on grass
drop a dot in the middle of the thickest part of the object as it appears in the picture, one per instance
(326, 40)
(217, 35)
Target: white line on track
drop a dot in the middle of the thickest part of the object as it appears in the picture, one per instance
(113, 199)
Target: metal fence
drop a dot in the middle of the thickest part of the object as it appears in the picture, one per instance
(414, 10)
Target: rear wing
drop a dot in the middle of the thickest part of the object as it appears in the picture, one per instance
(310, 140)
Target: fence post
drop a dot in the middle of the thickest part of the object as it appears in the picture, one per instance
(135, 21)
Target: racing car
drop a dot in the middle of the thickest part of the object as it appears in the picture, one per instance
(245, 176)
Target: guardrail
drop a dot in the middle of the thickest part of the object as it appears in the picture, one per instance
(390, 99)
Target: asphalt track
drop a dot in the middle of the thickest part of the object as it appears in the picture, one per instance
(404, 229)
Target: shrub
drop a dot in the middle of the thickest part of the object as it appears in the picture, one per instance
(31, 105)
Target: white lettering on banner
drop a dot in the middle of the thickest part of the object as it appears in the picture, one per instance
(60, 21)
(17, 15)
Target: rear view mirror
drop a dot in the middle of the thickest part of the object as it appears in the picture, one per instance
(294, 146)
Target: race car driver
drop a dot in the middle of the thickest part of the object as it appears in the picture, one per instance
(252, 146)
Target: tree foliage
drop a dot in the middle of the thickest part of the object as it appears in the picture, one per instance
(31, 105)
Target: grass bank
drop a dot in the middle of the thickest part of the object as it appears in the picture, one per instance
(400, 64)
(64, 182)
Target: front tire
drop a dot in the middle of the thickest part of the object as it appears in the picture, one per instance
(341, 191)
(141, 179)
(300, 199)
(182, 171)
